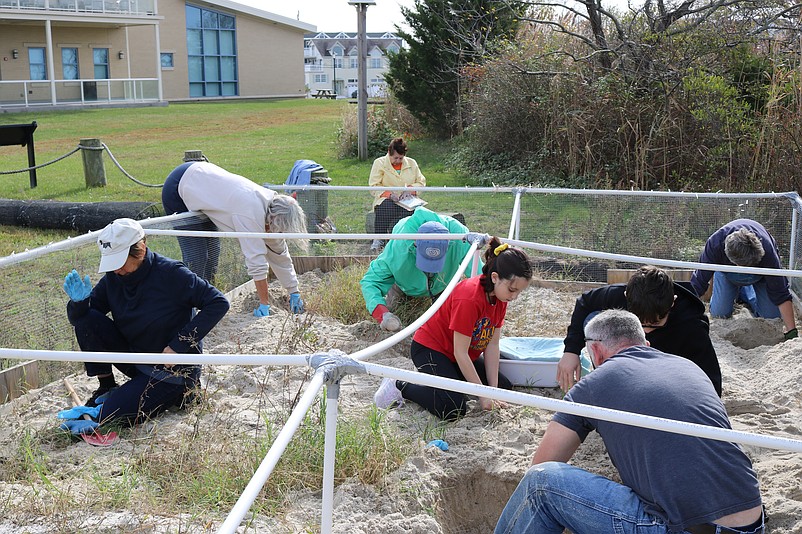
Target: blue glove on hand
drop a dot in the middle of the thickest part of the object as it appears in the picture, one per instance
(77, 411)
(296, 304)
(79, 426)
(76, 288)
(262, 311)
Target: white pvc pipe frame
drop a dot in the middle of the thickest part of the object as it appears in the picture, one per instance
(271, 459)
(259, 478)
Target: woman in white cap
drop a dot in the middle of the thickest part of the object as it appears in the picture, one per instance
(151, 300)
(235, 204)
(461, 340)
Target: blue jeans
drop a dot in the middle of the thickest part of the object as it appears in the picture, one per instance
(752, 290)
(554, 496)
(200, 254)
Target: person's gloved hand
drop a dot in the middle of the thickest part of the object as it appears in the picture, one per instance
(791, 334)
(394, 197)
(481, 239)
(296, 304)
(390, 322)
(405, 195)
(263, 310)
(79, 426)
(77, 411)
(75, 288)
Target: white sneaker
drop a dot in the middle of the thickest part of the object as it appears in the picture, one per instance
(390, 322)
(388, 395)
(376, 246)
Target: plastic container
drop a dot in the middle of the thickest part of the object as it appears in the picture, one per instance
(532, 361)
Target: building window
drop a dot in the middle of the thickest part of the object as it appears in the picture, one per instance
(100, 57)
(69, 63)
(338, 62)
(167, 60)
(354, 63)
(321, 78)
(375, 63)
(211, 45)
(36, 59)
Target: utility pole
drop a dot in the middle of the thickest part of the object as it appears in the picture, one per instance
(362, 91)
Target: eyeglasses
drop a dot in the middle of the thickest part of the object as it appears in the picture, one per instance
(591, 339)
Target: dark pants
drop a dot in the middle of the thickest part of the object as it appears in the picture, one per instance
(200, 254)
(443, 403)
(142, 396)
(387, 214)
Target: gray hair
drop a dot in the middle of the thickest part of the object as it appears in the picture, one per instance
(286, 216)
(616, 329)
(743, 248)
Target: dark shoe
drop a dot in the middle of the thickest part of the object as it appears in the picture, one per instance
(99, 396)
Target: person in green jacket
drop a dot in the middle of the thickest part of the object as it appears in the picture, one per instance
(419, 268)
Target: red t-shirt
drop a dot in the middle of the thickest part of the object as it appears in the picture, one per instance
(468, 312)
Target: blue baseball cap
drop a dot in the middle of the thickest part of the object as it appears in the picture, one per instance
(430, 256)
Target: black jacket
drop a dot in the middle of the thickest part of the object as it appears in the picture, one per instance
(686, 333)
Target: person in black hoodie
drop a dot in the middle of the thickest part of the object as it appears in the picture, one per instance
(671, 314)
(151, 300)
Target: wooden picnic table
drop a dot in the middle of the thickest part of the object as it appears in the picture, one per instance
(325, 93)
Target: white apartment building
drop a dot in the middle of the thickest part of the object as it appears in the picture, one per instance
(330, 62)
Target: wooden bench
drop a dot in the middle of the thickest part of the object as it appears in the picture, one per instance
(21, 134)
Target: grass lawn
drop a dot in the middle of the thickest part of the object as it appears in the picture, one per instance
(259, 140)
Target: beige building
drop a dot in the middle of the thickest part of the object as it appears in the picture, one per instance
(67, 53)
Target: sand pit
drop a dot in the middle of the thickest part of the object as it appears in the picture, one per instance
(460, 491)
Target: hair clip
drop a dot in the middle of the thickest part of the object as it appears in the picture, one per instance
(501, 248)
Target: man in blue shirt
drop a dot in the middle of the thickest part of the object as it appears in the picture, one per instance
(669, 482)
(151, 300)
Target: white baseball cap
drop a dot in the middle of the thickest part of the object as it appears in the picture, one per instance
(115, 242)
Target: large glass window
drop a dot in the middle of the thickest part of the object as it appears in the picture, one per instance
(212, 51)
(69, 63)
(100, 57)
(36, 59)
(375, 63)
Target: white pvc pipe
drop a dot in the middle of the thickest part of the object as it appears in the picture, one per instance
(398, 336)
(261, 475)
(655, 261)
(329, 458)
(276, 235)
(153, 357)
(515, 220)
(584, 410)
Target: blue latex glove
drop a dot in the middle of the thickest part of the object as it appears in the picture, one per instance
(77, 411)
(76, 288)
(262, 311)
(79, 426)
(296, 304)
(439, 443)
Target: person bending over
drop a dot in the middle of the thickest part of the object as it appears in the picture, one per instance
(746, 243)
(151, 300)
(461, 340)
(235, 204)
(669, 482)
(420, 268)
(671, 314)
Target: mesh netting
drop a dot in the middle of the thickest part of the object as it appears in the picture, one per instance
(671, 227)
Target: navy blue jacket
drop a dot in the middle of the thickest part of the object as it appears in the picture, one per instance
(152, 308)
(776, 286)
(686, 332)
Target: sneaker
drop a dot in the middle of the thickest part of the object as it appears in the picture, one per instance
(99, 396)
(388, 395)
(376, 246)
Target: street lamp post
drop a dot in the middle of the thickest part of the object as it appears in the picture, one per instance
(362, 91)
(334, 76)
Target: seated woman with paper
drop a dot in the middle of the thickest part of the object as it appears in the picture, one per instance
(394, 170)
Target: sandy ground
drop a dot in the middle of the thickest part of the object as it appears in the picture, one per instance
(459, 491)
